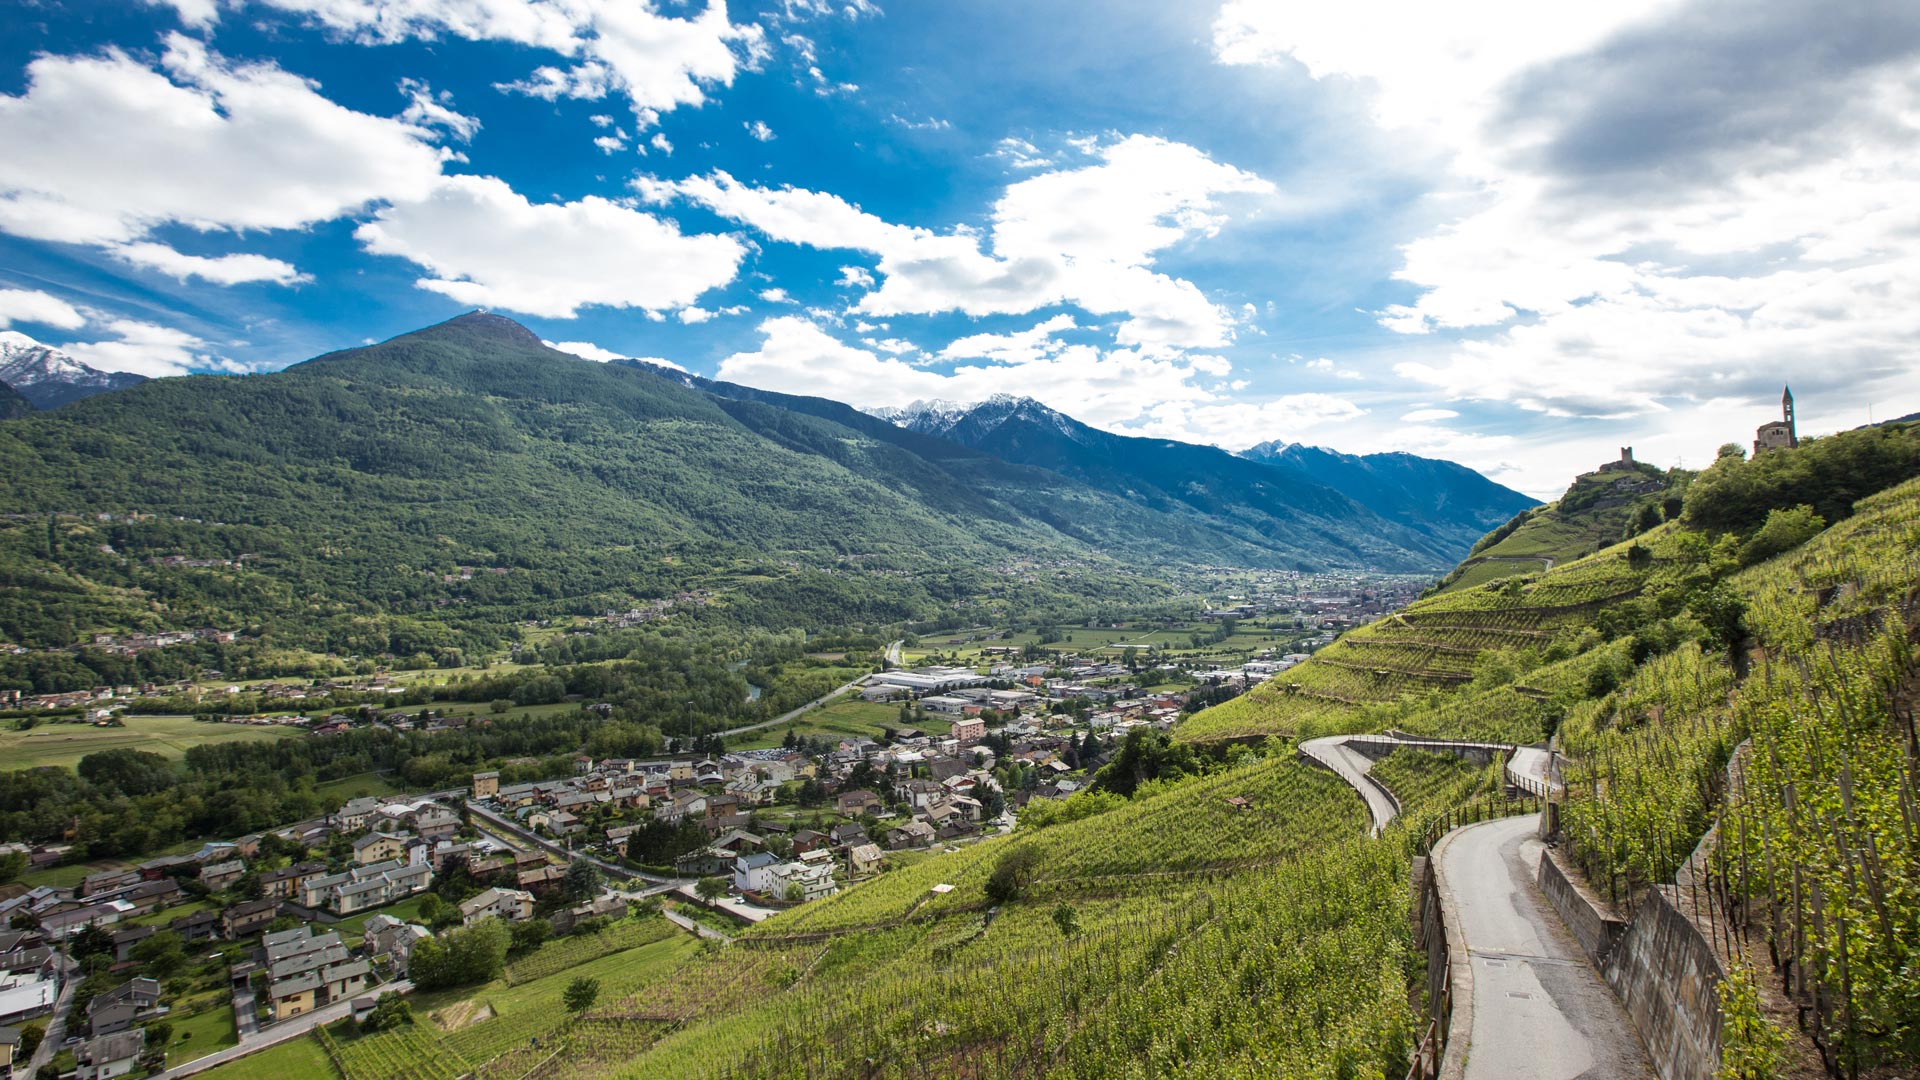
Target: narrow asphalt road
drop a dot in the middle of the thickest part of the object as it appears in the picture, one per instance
(1337, 753)
(1352, 766)
(1540, 1011)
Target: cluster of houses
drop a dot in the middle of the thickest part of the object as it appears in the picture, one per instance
(305, 971)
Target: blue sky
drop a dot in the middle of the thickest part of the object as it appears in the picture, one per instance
(1502, 233)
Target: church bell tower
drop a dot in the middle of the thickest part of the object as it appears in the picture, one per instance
(1786, 413)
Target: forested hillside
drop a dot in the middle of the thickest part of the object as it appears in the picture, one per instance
(423, 496)
(1449, 502)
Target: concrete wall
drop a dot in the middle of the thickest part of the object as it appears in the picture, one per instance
(1596, 931)
(1666, 975)
(1658, 965)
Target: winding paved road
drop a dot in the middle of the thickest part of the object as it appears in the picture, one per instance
(1539, 1011)
(1338, 753)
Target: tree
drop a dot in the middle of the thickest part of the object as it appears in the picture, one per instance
(582, 881)
(1012, 874)
(711, 888)
(431, 907)
(159, 1033)
(389, 1012)
(461, 957)
(89, 941)
(530, 934)
(580, 994)
(1067, 920)
(162, 954)
(12, 865)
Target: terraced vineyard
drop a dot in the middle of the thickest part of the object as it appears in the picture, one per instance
(1411, 669)
(574, 950)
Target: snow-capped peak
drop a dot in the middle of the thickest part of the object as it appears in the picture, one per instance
(50, 378)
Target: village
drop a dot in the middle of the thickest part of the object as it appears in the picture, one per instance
(250, 937)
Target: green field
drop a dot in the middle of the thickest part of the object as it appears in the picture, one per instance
(197, 1036)
(168, 736)
(358, 786)
(841, 720)
(295, 1059)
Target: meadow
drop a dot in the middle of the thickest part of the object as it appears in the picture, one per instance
(63, 745)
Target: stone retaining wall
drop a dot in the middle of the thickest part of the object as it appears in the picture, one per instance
(1596, 930)
(1667, 976)
(1664, 973)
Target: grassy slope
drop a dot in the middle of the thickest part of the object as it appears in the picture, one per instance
(168, 736)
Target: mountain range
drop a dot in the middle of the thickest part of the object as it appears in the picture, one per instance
(48, 378)
(437, 488)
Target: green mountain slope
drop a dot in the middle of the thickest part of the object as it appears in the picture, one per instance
(1598, 510)
(1449, 502)
(1303, 523)
(12, 404)
(1157, 531)
(348, 492)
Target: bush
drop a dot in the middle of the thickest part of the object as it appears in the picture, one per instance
(580, 994)
(1784, 531)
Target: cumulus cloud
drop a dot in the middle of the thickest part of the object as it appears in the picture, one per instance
(1101, 387)
(1427, 416)
(625, 47)
(220, 270)
(1664, 203)
(104, 149)
(148, 349)
(428, 110)
(486, 245)
(588, 350)
(198, 14)
(34, 306)
(1085, 237)
(760, 131)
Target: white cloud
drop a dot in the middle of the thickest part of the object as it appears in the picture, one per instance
(102, 150)
(428, 110)
(759, 130)
(1024, 346)
(776, 296)
(657, 62)
(1237, 425)
(931, 123)
(1020, 154)
(34, 306)
(1661, 204)
(197, 14)
(1085, 237)
(659, 142)
(1105, 388)
(610, 144)
(1427, 416)
(801, 10)
(487, 245)
(146, 349)
(587, 350)
(220, 270)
